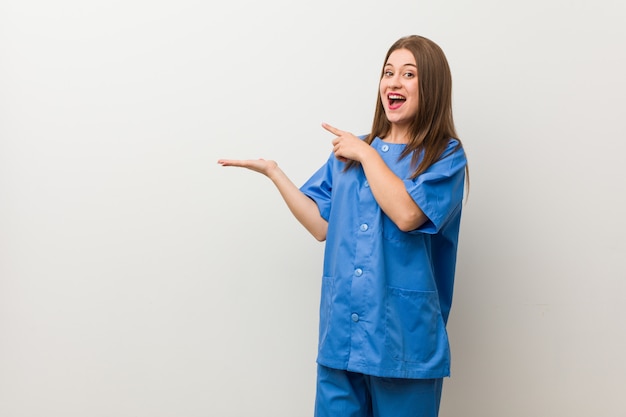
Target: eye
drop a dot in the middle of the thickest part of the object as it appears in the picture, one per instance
(388, 73)
(409, 75)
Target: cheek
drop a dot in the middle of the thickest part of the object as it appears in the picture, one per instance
(383, 100)
(415, 91)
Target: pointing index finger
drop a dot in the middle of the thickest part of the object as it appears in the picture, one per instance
(332, 129)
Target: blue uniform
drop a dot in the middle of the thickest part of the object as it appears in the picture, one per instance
(386, 294)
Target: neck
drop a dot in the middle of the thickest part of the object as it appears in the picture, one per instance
(397, 134)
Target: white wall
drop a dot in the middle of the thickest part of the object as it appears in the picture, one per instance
(139, 278)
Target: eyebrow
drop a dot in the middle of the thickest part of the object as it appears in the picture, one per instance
(405, 65)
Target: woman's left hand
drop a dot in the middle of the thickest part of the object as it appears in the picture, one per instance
(346, 145)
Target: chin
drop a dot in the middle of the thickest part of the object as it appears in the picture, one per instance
(394, 120)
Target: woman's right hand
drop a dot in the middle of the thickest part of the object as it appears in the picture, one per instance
(302, 207)
(258, 165)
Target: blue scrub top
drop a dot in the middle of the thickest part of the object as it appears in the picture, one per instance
(386, 294)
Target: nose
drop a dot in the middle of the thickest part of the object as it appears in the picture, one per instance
(394, 82)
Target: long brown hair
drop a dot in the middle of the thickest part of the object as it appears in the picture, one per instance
(433, 125)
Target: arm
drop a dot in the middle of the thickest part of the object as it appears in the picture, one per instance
(388, 189)
(390, 193)
(303, 208)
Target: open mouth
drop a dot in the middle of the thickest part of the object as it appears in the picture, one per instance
(395, 100)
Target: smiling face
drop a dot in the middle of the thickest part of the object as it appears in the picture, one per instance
(399, 88)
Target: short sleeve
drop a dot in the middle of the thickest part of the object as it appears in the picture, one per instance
(319, 188)
(439, 190)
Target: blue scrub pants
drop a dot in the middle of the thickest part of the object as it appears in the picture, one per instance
(348, 394)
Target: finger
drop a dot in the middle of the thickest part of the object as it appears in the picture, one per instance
(231, 162)
(228, 161)
(332, 129)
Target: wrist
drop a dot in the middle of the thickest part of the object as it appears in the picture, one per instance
(366, 154)
(274, 172)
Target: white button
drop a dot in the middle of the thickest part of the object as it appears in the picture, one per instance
(355, 317)
(384, 148)
(358, 272)
(364, 227)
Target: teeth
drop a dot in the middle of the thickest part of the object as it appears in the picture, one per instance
(395, 97)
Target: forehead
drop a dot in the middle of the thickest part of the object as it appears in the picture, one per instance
(401, 57)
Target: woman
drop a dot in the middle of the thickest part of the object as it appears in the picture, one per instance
(389, 207)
